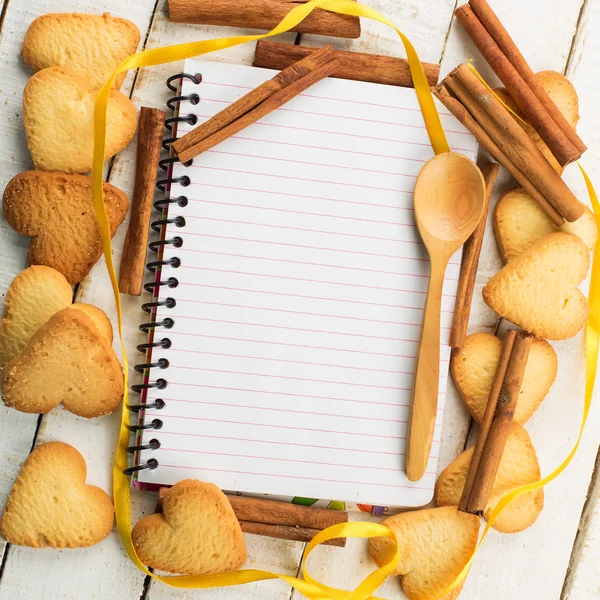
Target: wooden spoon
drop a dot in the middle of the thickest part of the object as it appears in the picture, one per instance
(449, 197)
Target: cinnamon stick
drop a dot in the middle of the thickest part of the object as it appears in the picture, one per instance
(488, 416)
(470, 260)
(260, 510)
(539, 117)
(287, 532)
(503, 138)
(466, 118)
(357, 66)
(258, 103)
(281, 520)
(500, 35)
(494, 431)
(150, 135)
(261, 14)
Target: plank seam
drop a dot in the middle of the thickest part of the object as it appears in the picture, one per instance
(592, 496)
(447, 36)
(4, 560)
(574, 41)
(3, 13)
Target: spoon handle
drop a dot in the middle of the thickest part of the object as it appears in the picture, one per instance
(425, 394)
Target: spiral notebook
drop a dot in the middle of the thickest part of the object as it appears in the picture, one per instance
(290, 284)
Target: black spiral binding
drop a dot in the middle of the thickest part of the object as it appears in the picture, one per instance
(155, 266)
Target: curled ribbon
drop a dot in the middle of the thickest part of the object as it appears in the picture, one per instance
(308, 586)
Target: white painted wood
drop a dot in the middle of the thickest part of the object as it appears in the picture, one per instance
(584, 579)
(47, 573)
(536, 559)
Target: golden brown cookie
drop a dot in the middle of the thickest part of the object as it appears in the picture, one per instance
(538, 289)
(473, 369)
(32, 298)
(435, 546)
(92, 46)
(56, 211)
(519, 466)
(68, 360)
(563, 94)
(58, 111)
(50, 505)
(98, 316)
(196, 533)
(519, 222)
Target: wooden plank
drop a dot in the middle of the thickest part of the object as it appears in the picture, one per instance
(583, 582)
(48, 573)
(150, 90)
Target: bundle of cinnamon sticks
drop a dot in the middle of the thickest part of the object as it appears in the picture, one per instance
(281, 520)
(495, 425)
(500, 51)
(484, 115)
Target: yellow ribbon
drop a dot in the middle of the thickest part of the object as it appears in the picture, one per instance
(592, 343)
(307, 586)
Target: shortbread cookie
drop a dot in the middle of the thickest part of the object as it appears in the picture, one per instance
(56, 210)
(92, 46)
(50, 505)
(58, 111)
(519, 222)
(563, 94)
(68, 360)
(473, 369)
(538, 289)
(435, 546)
(98, 316)
(196, 533)
(32, 298)
(519, 466)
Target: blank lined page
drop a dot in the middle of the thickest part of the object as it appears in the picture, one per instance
(300, 296)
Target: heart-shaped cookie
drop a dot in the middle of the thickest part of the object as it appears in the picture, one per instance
(563, 94)
(519, 466)
(68, 360)
(58, 111)
(92, 46)
(473, 369)
(538, 289)
(50, 505)
(196, 533)
(435, 545)
(32, 298)
(56, 210)
(519, 222)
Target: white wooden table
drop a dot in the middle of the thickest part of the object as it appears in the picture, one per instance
(556, 558)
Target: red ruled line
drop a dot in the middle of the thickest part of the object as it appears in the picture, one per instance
(281, 475)
(292, 395)
(240, 239)
(289, 410)
(233, 339)
(238, 439)
(312, 264)
(322, 198)
(316, 164)
(301, 212)
(303, 279)
(289, 377)
(389, 437)
(270, 293)
(291, 460)
(350, 101)
(345, 234)
(337, 116)
(376, 337)
(305, 179)
(299, 312)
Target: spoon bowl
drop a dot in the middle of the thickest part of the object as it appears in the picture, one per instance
(449, 198)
